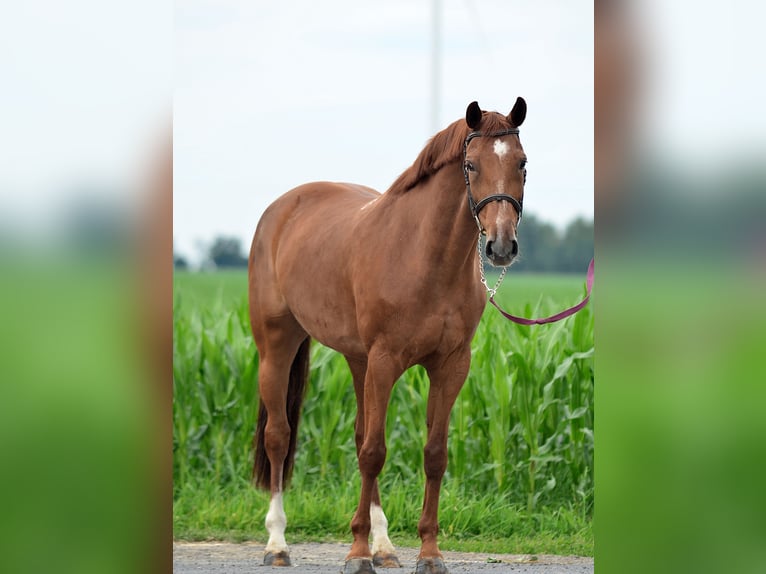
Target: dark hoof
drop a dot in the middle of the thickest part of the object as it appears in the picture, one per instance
(386, 560)
(279, 559)
(358, 566)
(431, 566)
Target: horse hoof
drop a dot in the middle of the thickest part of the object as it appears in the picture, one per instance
(431, 566)
(281, 558)
(358, 566)
(382, 560)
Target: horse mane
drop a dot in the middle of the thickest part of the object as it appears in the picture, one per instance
(443, 148)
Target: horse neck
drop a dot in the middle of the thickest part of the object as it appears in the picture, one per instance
(442, 231)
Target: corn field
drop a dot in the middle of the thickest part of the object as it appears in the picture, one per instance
(521, 429)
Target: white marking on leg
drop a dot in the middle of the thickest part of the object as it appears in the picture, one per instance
(501, 148)
(276, 521)
(379, 527)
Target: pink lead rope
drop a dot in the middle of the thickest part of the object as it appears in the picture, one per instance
(558, 316)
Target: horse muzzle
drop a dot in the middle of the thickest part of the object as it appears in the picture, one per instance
(501, 252)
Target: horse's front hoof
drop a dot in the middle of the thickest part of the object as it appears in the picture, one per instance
(281, 558)
(383, 560)
(431, 566)
(358, 566)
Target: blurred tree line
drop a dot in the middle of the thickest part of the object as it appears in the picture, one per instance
(542, 248)
(227, 252)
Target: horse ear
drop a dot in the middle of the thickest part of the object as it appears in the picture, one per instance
(473, 115)
(518, 113)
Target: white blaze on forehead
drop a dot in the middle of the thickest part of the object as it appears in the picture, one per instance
(379, 528)
(501, 148)
(276, 521)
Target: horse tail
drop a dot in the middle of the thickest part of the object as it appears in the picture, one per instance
(296, 390)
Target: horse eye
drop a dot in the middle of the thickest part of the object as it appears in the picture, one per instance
(469, 166)
(522, 164)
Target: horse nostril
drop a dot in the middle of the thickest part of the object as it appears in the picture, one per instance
(488, 248)
(514, 247)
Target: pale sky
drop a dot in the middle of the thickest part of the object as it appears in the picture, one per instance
(85, 104)
(272, 95)
(269, 95)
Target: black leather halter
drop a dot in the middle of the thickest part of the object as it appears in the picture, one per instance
(475, 206)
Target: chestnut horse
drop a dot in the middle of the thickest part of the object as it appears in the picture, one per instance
(389, 280)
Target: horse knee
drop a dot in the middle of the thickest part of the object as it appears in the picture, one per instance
(435, 459)
(372, 456)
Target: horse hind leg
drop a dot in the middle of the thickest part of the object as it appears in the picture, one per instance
(277, 552)
(282, 375)
(274, 442)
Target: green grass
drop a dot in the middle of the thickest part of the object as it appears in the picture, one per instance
(520, 473)
(200, 290)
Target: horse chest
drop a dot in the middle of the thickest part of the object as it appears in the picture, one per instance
(417, 330)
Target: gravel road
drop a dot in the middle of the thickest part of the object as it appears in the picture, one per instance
(313, 558)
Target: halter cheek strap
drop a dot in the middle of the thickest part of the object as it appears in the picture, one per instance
(475, 206)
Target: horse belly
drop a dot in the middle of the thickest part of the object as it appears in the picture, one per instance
(331, 324)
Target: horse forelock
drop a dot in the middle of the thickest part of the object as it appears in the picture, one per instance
(442, 149)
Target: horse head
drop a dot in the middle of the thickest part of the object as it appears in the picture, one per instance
(494, 166)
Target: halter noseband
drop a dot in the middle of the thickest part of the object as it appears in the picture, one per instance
(472, 204)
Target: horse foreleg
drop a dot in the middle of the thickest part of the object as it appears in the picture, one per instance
(446, 381)
(381, 374)
(383, 552)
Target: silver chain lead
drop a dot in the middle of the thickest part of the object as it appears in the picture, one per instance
(490, 290)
